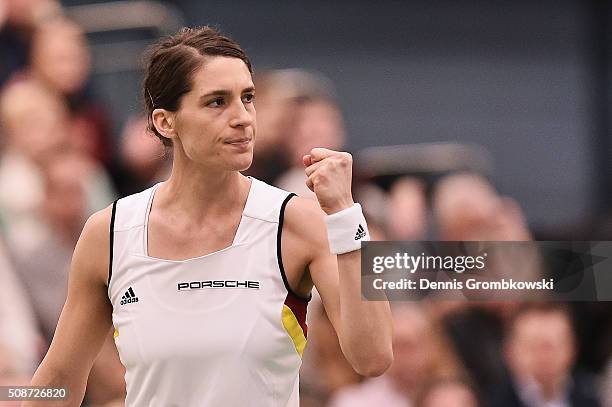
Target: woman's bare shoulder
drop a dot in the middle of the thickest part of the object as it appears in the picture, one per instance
(92, 251)
(304, 220)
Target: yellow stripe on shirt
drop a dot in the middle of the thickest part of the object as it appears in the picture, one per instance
(294, 330)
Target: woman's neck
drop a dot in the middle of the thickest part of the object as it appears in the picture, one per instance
(199, 193)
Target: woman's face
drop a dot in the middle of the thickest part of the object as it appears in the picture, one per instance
(215, 124)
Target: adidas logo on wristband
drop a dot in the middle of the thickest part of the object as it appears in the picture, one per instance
(361, 233)
(341, 230)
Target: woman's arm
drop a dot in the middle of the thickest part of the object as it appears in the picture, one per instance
(364, 327)
(85, 319)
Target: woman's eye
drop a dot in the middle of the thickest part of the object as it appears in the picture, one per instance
(216, 102)
(249, 97)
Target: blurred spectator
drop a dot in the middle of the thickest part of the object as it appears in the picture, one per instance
(20, 343)
(467, 207)
(61, 61)
(421, 355)
(406, 214)
(45, 264)
(44, 269)
(317, 122)
(476, 330)
(34, 126)
(540, 351)
(142, 159)
(18, 20)
(452, 392)
(33, 121)
(401, 212)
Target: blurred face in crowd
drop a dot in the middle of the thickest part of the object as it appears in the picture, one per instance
(450, 394)
(467, 207)
(60, 56)
(215, 123)
(463, 204)
(34, 120)
(318, 123)
(407, 210)
(274, 111)
(25, 13)
(412, 347)
(141, 152)
(65, 200)
(541, 347)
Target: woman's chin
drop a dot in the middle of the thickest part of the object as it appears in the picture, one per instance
(242, 163)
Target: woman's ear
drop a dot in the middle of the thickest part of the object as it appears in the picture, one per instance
(163, 120)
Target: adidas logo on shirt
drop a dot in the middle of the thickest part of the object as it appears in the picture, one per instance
(361, 233)
(129, 297)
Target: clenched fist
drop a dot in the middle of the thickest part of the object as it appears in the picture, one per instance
(329, 177)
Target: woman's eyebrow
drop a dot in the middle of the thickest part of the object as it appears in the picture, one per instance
(225, 92)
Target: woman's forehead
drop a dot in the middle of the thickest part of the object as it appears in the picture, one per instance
(222, 73)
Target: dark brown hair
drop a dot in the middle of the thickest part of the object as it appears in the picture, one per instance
(171, 62)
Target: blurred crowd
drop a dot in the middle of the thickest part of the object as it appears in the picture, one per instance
(60, 162)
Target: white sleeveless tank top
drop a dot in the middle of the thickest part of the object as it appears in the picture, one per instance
(224, 329)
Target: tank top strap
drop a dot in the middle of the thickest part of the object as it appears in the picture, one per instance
(265, 201)
(131, 215)
(263, 206)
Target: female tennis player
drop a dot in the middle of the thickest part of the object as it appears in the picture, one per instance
(209, 272)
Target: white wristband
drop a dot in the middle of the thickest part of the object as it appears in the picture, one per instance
(346, 230)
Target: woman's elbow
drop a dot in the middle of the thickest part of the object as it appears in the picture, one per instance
(374, 366)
